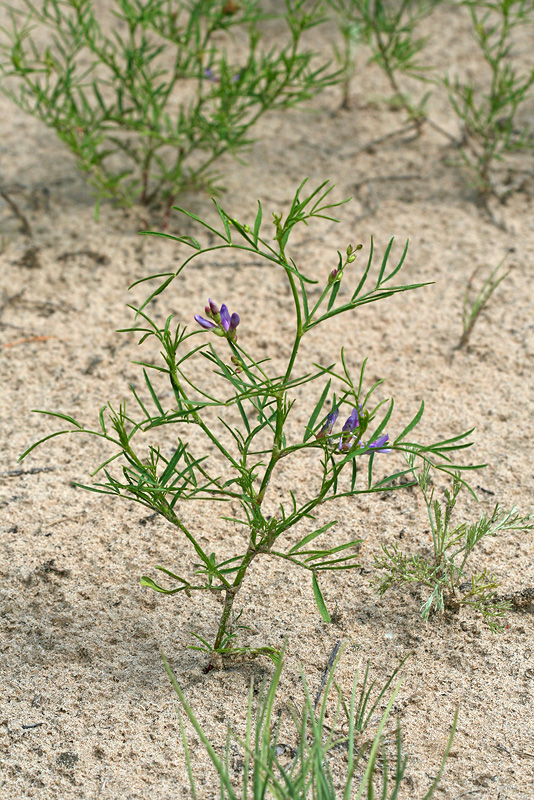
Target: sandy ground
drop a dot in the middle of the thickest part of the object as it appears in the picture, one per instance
(86, 709)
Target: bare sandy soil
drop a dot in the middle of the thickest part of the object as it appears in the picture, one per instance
(86, 709)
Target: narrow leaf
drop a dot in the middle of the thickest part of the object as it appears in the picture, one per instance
(354, 474)
(384, 422)
(411, 424)
(316, 411)
(399, 265)
(319, 599)
(152, 585)
(60, 416)
(44, 439)
(365, 274)
(169, 469)
(311, 536)
(384, 263)
(257, 224)
(153, 393)
(161, 288)
(243, 415)
(224, 221)
(333, 295)
(370, 470)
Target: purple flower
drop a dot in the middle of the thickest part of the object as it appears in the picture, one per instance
(210, 76)
(377, 446)
(346, 440)
(213, 78)
(220, 320)
(206, 323)
(353, 421)
(214, 308)
(352, 429)
(328, 426)
(225, 318)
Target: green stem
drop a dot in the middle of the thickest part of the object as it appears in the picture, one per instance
(277, 446)
(228, 603)
(231, 593)
(166, 511)
(432, 525)
(169, 514)
(177, 387)
(298, 311)
(279, 399)
(418, 119)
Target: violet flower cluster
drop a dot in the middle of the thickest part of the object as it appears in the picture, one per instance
(219, 321)
(349, 440)
(210, 75)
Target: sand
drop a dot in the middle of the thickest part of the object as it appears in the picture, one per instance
(86, 709)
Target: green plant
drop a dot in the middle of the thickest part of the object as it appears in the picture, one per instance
(472, 310)
(241, 410)
(390, 31)
(307, 775)
(149, 100)
(488, 109)
(351, 32)
(444, 573)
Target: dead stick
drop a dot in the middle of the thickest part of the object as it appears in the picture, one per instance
(326, 672)
(16, 473)
(28, 339)
(24, 224)
(391, 135)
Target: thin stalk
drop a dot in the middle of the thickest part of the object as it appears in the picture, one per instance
(173, 373)
(432, 526)
(166, 511)
(298, 312)
(145, 176)
(276, 450)
(231, 593)
(228, 603)
(417, 119)
(169, 514)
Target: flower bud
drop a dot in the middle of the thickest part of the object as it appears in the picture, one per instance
(219, 320)
(230, 7)
(364, 422)
(333, 276)
(351, 251)
(238, 364)
(225, 317)
(328, 426)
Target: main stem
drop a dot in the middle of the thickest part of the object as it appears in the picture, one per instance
(230, 597)
(230, 593)
(253, 550)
